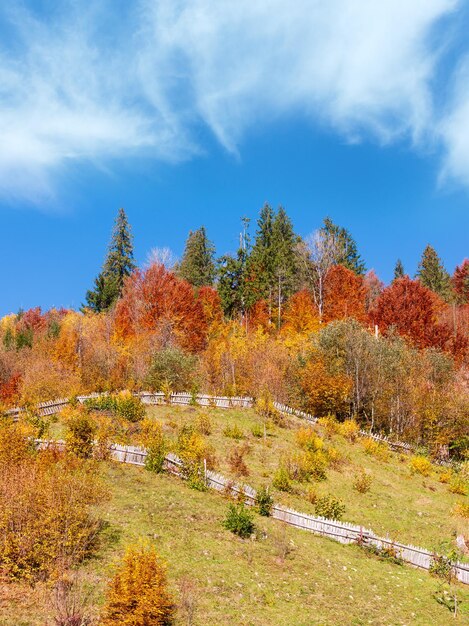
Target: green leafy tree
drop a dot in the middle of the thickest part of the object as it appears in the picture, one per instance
(197, 265)
(433, 275)
(118, 265)
(346, 247)
(399, 270)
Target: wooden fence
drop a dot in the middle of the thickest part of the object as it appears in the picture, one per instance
(342, 532)
(204, 400)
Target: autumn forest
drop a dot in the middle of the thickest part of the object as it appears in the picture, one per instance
(301, 321)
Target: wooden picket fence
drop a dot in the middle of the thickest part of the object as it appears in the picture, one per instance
(204, 400)
(340, 531)
(343, 532)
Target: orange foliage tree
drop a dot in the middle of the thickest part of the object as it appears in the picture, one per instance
(344, 295)
(301, 315)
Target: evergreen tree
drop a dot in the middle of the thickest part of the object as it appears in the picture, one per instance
(433, 275)
(197, 265)
(347, 253)
(118, 265)
(285, 258)
(232, 277)
(399, 270)
(262, 257)
(272, 266)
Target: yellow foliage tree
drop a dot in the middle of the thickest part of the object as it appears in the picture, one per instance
(138, 594)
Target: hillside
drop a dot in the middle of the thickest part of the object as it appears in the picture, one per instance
(281, 575)
(284, 577)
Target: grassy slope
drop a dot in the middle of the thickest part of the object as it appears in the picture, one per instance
(410, 508)
(247, 582)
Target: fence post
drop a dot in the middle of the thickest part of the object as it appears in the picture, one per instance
(205, 472)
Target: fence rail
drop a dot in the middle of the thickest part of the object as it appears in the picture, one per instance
(343, 532)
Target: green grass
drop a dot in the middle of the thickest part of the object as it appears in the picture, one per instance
(409, 508)
(285, 577)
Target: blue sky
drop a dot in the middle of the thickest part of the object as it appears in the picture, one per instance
(190, 113)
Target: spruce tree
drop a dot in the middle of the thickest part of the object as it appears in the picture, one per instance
(433, 275)
(197, 265)
(285, 261)
(118, 265)
(399, 270)
(232, 286)
(347, 253)
(262, 257)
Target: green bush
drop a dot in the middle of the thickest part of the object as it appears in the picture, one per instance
(233, 431)
(173, 367)
(123, 405)
(239, 520)
(329, 507)
(257, 431)
(281, 480)
(264, 501)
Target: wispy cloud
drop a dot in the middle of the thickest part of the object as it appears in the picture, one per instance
(99, 84)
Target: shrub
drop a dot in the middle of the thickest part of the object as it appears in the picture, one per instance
(349, 430)
(375, 448)
(264, 406)
(309, 440)
(281, 480)
(204, 424)
(257, 431)
(237, 464)
(420, 465)
(138, 594)
(129, 407)
(239, 520)
(174, 367)
(443, 566)
(445, 475)
(329, 507)
(461, 509)
(264, 501)
(309, 466)
(193, 449)
(47, 521)
(362, 481)
(233, 431)
(330, 425)
(458, 485)
(336, 459)
(153, 439)
(123, 404)
(81, 429)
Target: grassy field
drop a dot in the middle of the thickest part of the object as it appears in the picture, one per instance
(408, 507)
(284, 577)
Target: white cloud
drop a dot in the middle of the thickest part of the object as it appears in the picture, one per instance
(454, 128)
(95, 85)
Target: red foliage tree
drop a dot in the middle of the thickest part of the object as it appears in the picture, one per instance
(344, 295)
(460, 282)
(258, 316)
(158, 301)
(413, 310)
